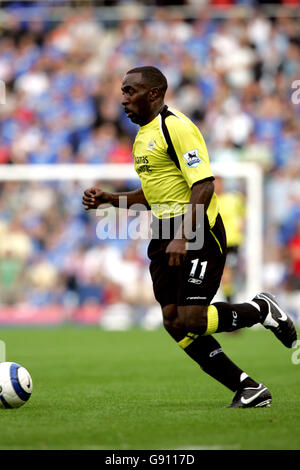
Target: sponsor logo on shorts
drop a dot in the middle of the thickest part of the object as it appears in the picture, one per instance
(193, 298)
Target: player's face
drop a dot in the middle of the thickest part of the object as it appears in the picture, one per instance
(135, 99)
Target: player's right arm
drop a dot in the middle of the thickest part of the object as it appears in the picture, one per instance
(94, 197)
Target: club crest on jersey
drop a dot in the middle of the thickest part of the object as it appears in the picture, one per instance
(192, 158)
(151, 145)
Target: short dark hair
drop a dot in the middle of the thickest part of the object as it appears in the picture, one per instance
(152, 76)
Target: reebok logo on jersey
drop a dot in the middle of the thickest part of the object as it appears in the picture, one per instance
(192, 158)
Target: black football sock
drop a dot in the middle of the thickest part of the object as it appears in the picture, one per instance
(207, 352)
(235, 316)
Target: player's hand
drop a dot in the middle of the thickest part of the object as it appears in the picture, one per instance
(176, 250)
(93, 197)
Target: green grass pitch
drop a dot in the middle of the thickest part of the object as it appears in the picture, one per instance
(137, 389)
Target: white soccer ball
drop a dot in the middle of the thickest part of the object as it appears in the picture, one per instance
(15, 385)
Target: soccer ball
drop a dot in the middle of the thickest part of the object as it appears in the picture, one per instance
(15, 385)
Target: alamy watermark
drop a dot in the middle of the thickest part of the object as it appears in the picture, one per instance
(132, 222)
(296, 354)
(296, 94)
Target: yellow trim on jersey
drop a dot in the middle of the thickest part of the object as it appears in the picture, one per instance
(216, 240)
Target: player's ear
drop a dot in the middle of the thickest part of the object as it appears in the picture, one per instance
(154, 93)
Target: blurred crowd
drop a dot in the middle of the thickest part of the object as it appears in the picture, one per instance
(235, 77)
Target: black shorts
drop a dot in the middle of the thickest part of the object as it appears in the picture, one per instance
(198, 279)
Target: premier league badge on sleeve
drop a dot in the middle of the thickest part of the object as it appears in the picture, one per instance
(192, 158)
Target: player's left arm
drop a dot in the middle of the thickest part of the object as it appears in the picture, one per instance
(192, 159)
(202, 192)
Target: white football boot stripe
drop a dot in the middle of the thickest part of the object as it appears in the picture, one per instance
(246, 401)
(269, 320)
